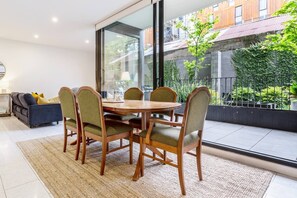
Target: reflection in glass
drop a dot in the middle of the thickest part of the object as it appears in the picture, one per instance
(2, 70)
(127, 53)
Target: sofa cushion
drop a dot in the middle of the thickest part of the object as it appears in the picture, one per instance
(54, 100)
(42, 101)
(29, 99)
(25, 112)
(19, 109)
(15, 99)
(26, 100)
(35, 95)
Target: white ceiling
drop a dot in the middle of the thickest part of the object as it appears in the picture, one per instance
(22, 19)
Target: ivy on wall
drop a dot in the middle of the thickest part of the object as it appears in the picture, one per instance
(259, 67)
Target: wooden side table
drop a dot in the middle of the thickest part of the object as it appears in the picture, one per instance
(5, 104)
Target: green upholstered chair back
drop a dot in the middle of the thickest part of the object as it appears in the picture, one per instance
(68, 103)
(164, 94)
(196, 109)
(90, 106)
(133, 93)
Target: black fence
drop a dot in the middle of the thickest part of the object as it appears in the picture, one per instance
(229, 91)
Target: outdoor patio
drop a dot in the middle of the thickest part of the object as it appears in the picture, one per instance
(281, 144)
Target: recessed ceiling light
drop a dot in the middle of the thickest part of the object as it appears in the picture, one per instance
(36, 36)
(55, 19)
(87, 41)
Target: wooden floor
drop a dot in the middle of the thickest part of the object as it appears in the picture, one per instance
(18, 179)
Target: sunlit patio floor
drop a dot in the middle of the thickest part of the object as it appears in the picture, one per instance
(277, 143)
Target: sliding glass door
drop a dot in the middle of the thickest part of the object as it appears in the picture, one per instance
(127, 53)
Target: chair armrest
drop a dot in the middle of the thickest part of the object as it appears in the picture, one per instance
(166, 122)
(177, 115)
(152, 123)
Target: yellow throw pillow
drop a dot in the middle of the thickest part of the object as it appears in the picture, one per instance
(54, 100)
(35, 95)
(42, 101)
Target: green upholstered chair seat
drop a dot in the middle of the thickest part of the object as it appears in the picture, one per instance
(119, 117)
(71, 123)
(112, 128)
(170, 135)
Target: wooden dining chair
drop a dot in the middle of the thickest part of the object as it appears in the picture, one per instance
(161, 94)
(178, 138)
(94, 126)
(133, 93)
(71, 119)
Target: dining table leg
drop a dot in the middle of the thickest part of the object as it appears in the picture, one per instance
(145, 117)
(145, 120)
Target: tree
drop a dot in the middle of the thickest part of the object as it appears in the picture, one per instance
(200, 39)
(287, 39)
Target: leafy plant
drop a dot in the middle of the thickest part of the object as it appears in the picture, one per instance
(287, 39)
(215, 97)
(293, 90)
(183, 90)
(171, 71)
(200, 39)
(276, 95)
(259, 67)
(243, 94)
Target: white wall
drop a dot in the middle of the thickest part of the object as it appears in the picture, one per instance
(45, 69)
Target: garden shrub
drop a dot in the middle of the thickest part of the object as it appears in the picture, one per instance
(243, 94)
(259, 67)
(276, 95)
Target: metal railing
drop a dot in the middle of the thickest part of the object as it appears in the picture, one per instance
(230, 91)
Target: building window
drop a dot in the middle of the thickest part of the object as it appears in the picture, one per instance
(215, 7)
(231, 2)
(238, 15)
(263, 9)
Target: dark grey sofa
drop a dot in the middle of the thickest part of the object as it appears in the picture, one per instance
(25, 108)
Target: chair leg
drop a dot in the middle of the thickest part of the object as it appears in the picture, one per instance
(176, 118)
(164, 156)
(198, 159)
(84, 149)
(78, 144)
(107, 147)
(65, 139)
(141, 156)
(130, 147)
(121, 142)
(181, 173)
(104, 150)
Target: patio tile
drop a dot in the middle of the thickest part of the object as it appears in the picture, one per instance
(244, 138)
(209, 124)
(278, 143)
(281, 187)
(213, 134)
(228, 127)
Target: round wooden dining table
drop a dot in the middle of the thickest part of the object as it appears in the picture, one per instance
(143, 107)
(138, 106)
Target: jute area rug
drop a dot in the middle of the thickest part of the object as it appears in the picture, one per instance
(65, 177)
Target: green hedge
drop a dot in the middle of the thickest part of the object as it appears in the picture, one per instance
(258, 67)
